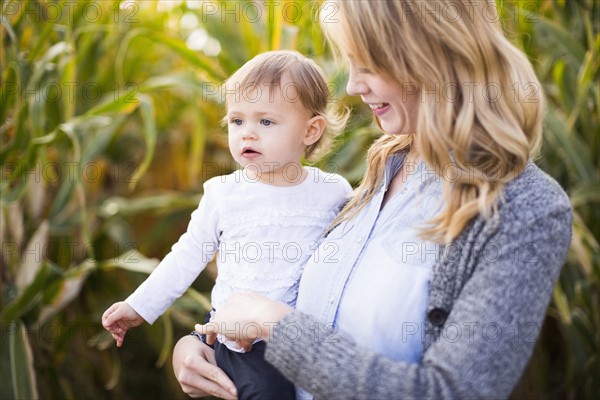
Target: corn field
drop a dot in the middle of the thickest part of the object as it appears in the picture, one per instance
(111, 121)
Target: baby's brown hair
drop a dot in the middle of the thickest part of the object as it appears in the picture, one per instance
(309, 81)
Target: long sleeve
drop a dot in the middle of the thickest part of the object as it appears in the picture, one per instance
(188, 257)
(486, 341)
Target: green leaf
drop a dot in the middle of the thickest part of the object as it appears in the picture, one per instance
(32, 257)
(124, 104)
(585, 194)
(585, 76)
(115, 370)
(562, 36)
(140, 205)
(149, 122)
(167, 340)
(178, 82)
(107, 128)
(132, 260)
(43, 140)
(557, 132)
(275, 27)
(18, 179)
(32, 294)
(196, 59)
(199, 298)
(17, 374)
(561, 303)
(69, 288)
(44, 64)
(63, 197)
(9, 30)
(558, 75)
(11, 195)
(68, 79)
(37, 111)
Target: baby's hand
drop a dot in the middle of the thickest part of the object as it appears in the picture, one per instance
(119, 318)
(211, 338)
(244, 344)
(210, 331)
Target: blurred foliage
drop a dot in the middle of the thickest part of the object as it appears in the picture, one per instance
(110, 123)
(562, 40)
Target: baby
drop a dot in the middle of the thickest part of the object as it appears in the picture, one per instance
(264, 220)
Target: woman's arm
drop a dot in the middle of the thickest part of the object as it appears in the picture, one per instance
(485, 343)
(197, 372)
(245, 317)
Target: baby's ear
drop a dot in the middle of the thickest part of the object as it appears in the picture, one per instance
(314, 130)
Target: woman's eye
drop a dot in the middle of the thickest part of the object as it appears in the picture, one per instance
(363, 70)
(266, 122)
(236, 121)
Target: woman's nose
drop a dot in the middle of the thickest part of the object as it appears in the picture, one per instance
(355, 86)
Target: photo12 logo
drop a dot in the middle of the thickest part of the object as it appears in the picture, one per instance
(262, 11)
(70, 171)
(67, 11)
(89, 92)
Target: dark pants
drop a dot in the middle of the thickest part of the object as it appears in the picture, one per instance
(254, 377)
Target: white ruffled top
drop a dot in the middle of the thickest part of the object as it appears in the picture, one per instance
(261, 235)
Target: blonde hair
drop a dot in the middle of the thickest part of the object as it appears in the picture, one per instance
(487, 138)
(309, 81)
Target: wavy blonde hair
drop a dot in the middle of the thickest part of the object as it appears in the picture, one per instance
(486, 120)
(268, 69)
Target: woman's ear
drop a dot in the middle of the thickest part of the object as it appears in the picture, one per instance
(314, 130)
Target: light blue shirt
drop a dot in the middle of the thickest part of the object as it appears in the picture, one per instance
(370, 275)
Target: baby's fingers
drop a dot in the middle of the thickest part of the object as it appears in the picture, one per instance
(211, 338)
(210, 328)
(244, 344)
(118, 333)
(118, 338)
(111, 316)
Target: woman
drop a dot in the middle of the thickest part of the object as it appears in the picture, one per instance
(446, 258)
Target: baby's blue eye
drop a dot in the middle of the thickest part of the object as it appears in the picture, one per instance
(236, 121)
(266, 122)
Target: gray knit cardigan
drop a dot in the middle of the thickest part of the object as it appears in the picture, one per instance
(487, 300)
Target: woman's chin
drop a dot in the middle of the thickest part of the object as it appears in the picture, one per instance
(396, 132)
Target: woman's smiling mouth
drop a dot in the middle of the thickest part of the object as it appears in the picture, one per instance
(379, 108)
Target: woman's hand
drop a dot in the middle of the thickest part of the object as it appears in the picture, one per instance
(197, 372)
(246, 317)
